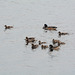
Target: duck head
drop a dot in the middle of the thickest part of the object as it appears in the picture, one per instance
(50, 46)
(45, 25)
(26, 38)
(5, 26)
(59, 32)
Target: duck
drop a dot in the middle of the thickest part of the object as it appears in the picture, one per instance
(41, 42)
(8, 27)
(46, 27)
(51, 47)
(58, 41)
(31, 39)
(55, 41)
(62, 33)
(34, 46)
(44, 46)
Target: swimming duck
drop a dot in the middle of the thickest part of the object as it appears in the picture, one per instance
(51, 47)
(61, 33)
(49, 27)
(45, 25)
(41, 42)
(34, 46)
(58, 41)
(44, 46)
(8, 27)
(31, 39)
(55, 41)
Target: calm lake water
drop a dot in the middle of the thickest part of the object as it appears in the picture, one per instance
(28, 18)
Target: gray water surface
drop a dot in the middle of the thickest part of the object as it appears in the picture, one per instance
(28, 18)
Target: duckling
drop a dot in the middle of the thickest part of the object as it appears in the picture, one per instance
(31, 39)
(8, 27)
(44, 46)
(34, 46)
(55, 41)
(53, 48)
(49, 27)
(41, 42)
(61, 33)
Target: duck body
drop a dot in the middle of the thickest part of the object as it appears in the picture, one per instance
(62, 43)
(49, 28)
(58, 41)
(8, 27)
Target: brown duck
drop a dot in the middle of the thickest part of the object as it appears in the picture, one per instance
(58, 41)
(34, 46)
(41, 42)
(8, 27)
(44, 46)
(62, 33)
(31, 39)
(55, 41)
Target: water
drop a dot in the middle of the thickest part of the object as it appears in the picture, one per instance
(28, 17)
